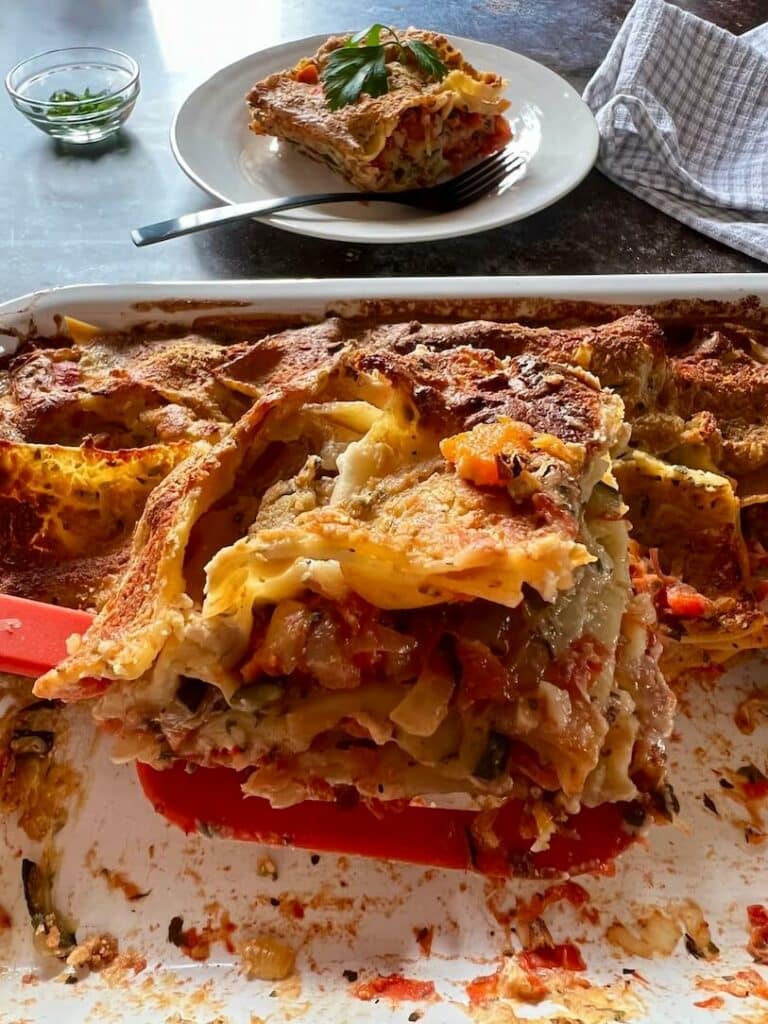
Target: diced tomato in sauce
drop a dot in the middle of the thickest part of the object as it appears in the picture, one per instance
(757, 790)
(577, 671)
(757, 915)
(574, 893)
(713, 1003)
(308, 75)
(528, 761)
(483, 677)
(685, 602)
(413, 126)
(480, 990)
(396, 987)
(564, 955)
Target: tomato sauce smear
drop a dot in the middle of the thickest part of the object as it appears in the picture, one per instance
(395, 987)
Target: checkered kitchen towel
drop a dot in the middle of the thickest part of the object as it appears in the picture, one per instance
(682, 108)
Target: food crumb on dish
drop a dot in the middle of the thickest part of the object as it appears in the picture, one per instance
(741, 984)
(292, 907)
(657, 933)
(710, 804)
(713, 1003)
(95, 953)
(570, 892)
(584, 1001)
(267, 959)
(267, 868)
(752, 711)
(37, 784)
(424, 937)
(197, 944)
(114, 879)
(747, 786)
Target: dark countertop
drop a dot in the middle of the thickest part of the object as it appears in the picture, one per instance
(65, 212)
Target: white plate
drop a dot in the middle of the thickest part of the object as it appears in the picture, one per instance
(553, 129)
(361, 915)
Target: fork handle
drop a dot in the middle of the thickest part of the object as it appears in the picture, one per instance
(188, 223)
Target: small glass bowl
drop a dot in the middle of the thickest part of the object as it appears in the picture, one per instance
(80, 94)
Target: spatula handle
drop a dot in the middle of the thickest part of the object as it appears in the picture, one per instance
(33, 636)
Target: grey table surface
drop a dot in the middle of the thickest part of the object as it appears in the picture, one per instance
(65, 211)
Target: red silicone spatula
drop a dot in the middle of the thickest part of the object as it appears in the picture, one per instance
(33, 636)
(33, 639)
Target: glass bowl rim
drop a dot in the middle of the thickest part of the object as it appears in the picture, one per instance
(133, 69)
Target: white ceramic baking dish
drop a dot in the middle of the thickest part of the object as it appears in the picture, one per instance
(361, 916)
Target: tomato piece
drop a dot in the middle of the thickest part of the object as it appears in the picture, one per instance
(757, 946)
(483, 677)
(758, 915)
(713, 1003)
(396, 987)
(528, 761)
(756, 790)
(502, 131)
(308, 75)
(484, 988)
(211, 799)
(413, 126)
(575, 894)
(564, 955)
(687, 603)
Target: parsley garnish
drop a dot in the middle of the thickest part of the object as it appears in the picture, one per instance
(79, 104)
(360, 65)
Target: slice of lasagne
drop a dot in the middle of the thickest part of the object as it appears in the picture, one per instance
(400, 576)
(418, 132)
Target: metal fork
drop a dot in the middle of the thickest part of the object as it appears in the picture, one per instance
(465, 188)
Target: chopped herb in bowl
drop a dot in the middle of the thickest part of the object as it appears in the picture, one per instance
(73, 104)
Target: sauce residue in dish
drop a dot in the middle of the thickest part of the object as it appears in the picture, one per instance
(395, 987)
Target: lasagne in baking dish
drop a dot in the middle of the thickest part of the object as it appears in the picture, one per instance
(397, 560)
(400, 575)
(418, 131)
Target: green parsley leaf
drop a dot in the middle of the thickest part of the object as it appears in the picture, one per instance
(350, 71)
(427, 58)
(360, 65)
(369, 36)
